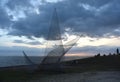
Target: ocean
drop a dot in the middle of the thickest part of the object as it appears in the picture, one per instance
(6, 61)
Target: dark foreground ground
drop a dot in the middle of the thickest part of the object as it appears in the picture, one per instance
(94, 69)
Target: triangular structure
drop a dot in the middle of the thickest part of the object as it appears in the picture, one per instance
(54, 47)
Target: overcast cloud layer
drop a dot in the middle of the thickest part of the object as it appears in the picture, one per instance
(30, 18)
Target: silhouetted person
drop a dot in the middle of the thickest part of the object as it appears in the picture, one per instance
(110, 54)
(75, 62)
(98, 55)
(114, 54)
(104, 55)
(117, 51)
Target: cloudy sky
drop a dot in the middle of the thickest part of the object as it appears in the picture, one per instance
(24, 25)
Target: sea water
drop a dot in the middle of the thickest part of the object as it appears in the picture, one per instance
(20, 60)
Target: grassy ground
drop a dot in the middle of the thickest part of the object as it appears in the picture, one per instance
(111, 63)
(24, 76)
(14, 76)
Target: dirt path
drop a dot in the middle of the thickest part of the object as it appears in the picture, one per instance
(107, 76)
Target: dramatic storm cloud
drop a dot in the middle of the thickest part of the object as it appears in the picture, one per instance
(94, 18)
(26, 22)
(4, 19)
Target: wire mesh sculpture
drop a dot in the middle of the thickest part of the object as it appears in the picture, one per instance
(55, 49)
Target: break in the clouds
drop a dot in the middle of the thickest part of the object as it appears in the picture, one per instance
(32, 18)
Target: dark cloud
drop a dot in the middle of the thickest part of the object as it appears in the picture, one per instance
(4, 19)
(30, 43)
(31, 26)
(18, 41)
(17, 51)
(34, 43)
(91, 17)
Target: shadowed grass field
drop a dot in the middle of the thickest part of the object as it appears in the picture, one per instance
(92, 64)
